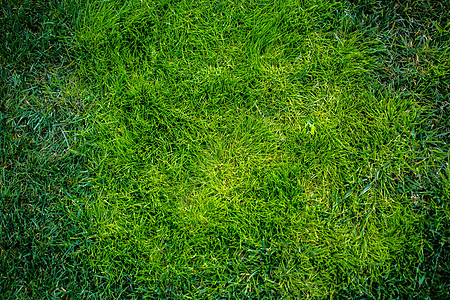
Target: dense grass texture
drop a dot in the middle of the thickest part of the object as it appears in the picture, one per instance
(224, 150)
(414, 62)
(245, 149)
(41, 108)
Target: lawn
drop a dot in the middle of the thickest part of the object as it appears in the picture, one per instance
(225, 150)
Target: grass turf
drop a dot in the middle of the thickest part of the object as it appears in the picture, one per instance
(41, 108)
(239, 150)
(244, 149)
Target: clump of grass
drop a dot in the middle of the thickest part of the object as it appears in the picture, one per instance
(245, 150)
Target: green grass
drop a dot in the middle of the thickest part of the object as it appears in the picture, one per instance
(40, 112)
(225, 150)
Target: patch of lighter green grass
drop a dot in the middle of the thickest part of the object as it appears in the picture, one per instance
(240, 150)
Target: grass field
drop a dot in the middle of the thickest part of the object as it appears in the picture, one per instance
(224, 150)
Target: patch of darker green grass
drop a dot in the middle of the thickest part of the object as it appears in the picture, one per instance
(413, 63)
(41, 108)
